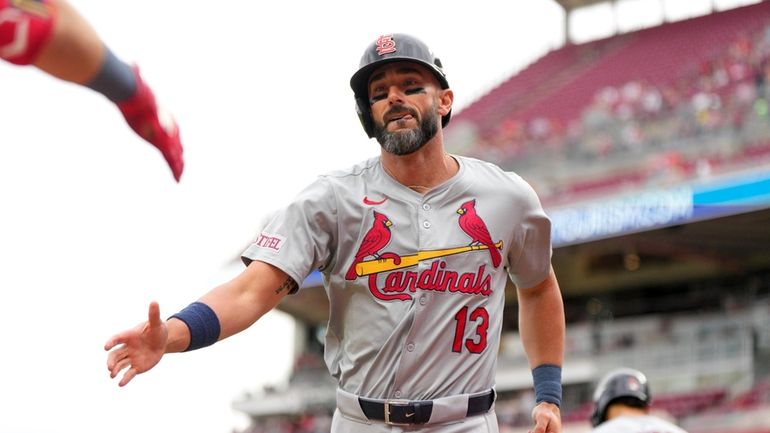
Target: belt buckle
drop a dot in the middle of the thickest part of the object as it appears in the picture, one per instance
(388, 404)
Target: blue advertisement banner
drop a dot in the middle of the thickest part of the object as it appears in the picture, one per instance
(657, 208)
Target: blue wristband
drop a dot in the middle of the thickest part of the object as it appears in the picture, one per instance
(547, 380)
(203, 324)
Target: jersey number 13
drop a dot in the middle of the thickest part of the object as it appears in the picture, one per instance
(478, 342)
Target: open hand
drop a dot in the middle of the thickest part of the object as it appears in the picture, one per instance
(137, 349)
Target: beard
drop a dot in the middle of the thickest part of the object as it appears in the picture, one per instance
(404, 142)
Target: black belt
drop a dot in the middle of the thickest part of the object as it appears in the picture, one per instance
(405, 412)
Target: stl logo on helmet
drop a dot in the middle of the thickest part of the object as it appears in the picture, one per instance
(633, 384)
(385, 45)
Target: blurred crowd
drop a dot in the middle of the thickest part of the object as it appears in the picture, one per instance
(674, 130)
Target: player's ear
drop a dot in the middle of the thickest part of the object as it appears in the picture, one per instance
(445, 99)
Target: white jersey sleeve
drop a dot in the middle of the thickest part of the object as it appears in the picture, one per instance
(530, 257)
(299, 238)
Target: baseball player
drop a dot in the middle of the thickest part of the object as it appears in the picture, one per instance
(622, 405)
(415, 247)
(54, 37)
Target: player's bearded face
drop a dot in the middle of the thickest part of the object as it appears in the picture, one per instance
(406, 141)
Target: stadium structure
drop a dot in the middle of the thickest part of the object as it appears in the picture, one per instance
(650, 151)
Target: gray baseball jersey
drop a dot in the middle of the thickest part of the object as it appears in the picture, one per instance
(415, 282)
(637, 424)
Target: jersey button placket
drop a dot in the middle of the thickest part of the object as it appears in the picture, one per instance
(426, 223)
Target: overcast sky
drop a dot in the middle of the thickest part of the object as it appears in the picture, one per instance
(92, 226)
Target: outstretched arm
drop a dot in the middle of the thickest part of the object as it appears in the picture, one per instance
(237, 304)
(54, 37)
(542, 329)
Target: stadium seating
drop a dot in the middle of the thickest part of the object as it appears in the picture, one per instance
(690, 403)
(663, 104)
(659, 55)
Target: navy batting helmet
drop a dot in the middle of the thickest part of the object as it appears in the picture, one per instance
(619, 383)
(391, 48)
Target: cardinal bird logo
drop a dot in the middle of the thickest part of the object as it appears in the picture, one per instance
(375, 239)
(474, 226)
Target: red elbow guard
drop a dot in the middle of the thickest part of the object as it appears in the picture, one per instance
(25, 27)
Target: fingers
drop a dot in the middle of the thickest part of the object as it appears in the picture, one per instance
(118, 361)
(112, 342)
(116, 340)
(115, 356)
(120, 365)
(130, 373)
(128, 344)
(547, 419)
(540, 427)
(153, 316)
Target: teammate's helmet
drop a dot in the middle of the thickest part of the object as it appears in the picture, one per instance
(386, 49)
(620, 383)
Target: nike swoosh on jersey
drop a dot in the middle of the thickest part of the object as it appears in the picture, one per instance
(374, 202)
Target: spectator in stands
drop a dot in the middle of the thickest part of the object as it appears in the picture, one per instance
(622, 405)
